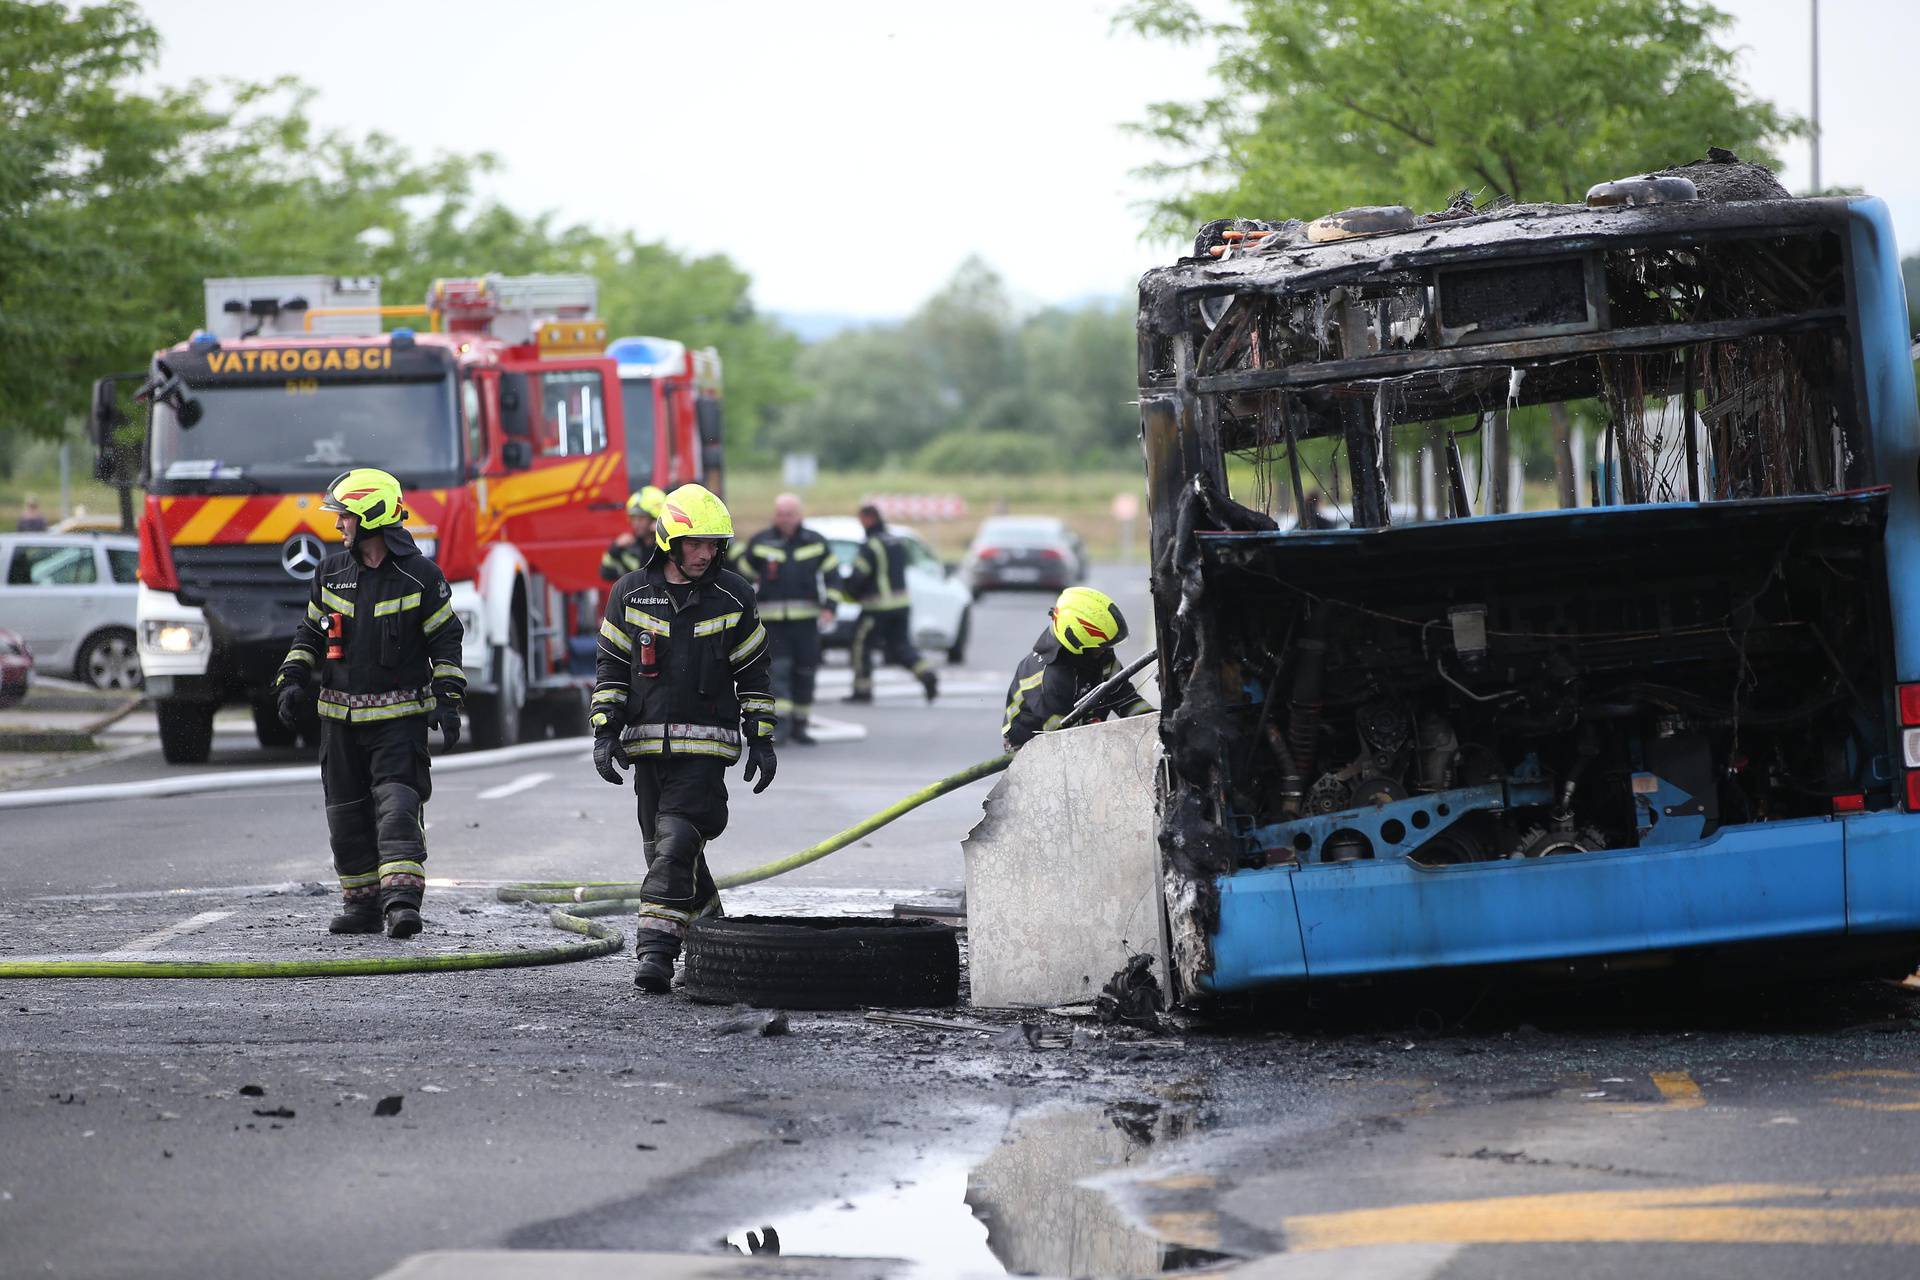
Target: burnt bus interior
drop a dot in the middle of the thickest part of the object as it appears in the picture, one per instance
(1703, 643)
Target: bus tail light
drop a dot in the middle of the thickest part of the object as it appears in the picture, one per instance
(1909, 695)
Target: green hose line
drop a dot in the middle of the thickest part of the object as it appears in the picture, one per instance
(601, 898)
(603, 939)
(617, 891)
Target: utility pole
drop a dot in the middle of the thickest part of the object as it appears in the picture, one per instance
(1816, 97)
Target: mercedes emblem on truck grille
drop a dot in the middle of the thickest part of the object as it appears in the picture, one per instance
(301, 555)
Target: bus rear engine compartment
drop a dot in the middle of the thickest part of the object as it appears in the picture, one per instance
(1464, 692)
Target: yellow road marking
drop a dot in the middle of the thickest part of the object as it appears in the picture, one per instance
(1719, 1214)
(1196, 1229)
(1678, 1088)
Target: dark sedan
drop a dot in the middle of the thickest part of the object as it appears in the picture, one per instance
(1041, 552)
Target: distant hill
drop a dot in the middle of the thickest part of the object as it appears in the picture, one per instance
(817, 326)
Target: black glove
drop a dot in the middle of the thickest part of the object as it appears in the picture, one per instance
(760, 760)
(287, 702)
(445, 717)
(606, 759)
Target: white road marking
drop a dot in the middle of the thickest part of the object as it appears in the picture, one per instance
(524, 783)
(154, 940)
(229, 780)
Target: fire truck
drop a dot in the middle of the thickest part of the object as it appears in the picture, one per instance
(515, 428)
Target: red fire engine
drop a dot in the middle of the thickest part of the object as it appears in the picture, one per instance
(515, 431)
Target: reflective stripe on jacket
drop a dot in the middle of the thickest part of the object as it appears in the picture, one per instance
(623, 558)
(402, 642)
(879, 581)
(789, 575)
(711, 656)
(1049, 682)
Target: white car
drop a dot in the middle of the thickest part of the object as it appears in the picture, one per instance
(71, 597)
(942, 606)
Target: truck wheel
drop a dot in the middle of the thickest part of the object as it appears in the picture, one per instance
(496, 716)
(957, 651)
(109, 660)
(268, 729)
(823, 962)
(186, 730)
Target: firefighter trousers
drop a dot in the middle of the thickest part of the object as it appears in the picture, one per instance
(795, 648)
(683, 804)
(886, 633)
(377, 778)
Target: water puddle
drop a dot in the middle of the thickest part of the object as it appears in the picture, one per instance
(1034, 1206)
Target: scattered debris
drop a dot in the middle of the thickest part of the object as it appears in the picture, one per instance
(644, 1146)
(252, 1091)
(389, 1105)
(1132, 996)
(928, 1023)
(274, 1113)
(760, 1023)
(1029, 1035)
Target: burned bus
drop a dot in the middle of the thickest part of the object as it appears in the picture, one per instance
(1661, 706)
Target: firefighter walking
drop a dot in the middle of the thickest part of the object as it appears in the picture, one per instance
(633, 548)
(788, 565)
(681, 691)
(381, 635)
(879, 587)
(1073, 657)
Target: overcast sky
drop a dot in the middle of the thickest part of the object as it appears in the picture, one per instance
(850, 154)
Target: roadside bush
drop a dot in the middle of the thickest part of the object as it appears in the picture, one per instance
(986, 453)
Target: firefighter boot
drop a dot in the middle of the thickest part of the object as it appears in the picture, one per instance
(655, 972)
(403, 880)
(357, 915)
(799, 734)
(930, 683)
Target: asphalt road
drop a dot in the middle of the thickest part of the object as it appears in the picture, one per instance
(1653, 1132)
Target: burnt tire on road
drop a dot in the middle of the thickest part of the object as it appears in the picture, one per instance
(822, 962)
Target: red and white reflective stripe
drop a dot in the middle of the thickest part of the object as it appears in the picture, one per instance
(920, 506)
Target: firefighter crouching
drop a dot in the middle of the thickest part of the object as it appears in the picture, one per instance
(381, 634)
(788, 565)
(1073, 657)
(681, 688)
(631, 549)
(879, 587)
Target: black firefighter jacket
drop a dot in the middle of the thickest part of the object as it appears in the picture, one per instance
(789, 574)
(402, 645)
(711, 659)
(878, 582)
(1049, 682)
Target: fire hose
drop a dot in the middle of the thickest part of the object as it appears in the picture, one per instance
(575, 904)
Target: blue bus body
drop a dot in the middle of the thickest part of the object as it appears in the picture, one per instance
(1275, 878)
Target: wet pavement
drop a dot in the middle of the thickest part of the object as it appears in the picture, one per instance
(209, 1129)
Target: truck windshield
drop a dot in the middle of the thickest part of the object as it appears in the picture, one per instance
(287, 433)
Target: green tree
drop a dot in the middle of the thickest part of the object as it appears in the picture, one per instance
(869, 395)
(1325, 104)
(965, 365)
(96, 184)
(115, 204)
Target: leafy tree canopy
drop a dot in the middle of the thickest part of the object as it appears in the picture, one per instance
(1327, 104)
(115, 204)
(966, 365)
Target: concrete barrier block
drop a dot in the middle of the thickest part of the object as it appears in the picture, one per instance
(1063, 871)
